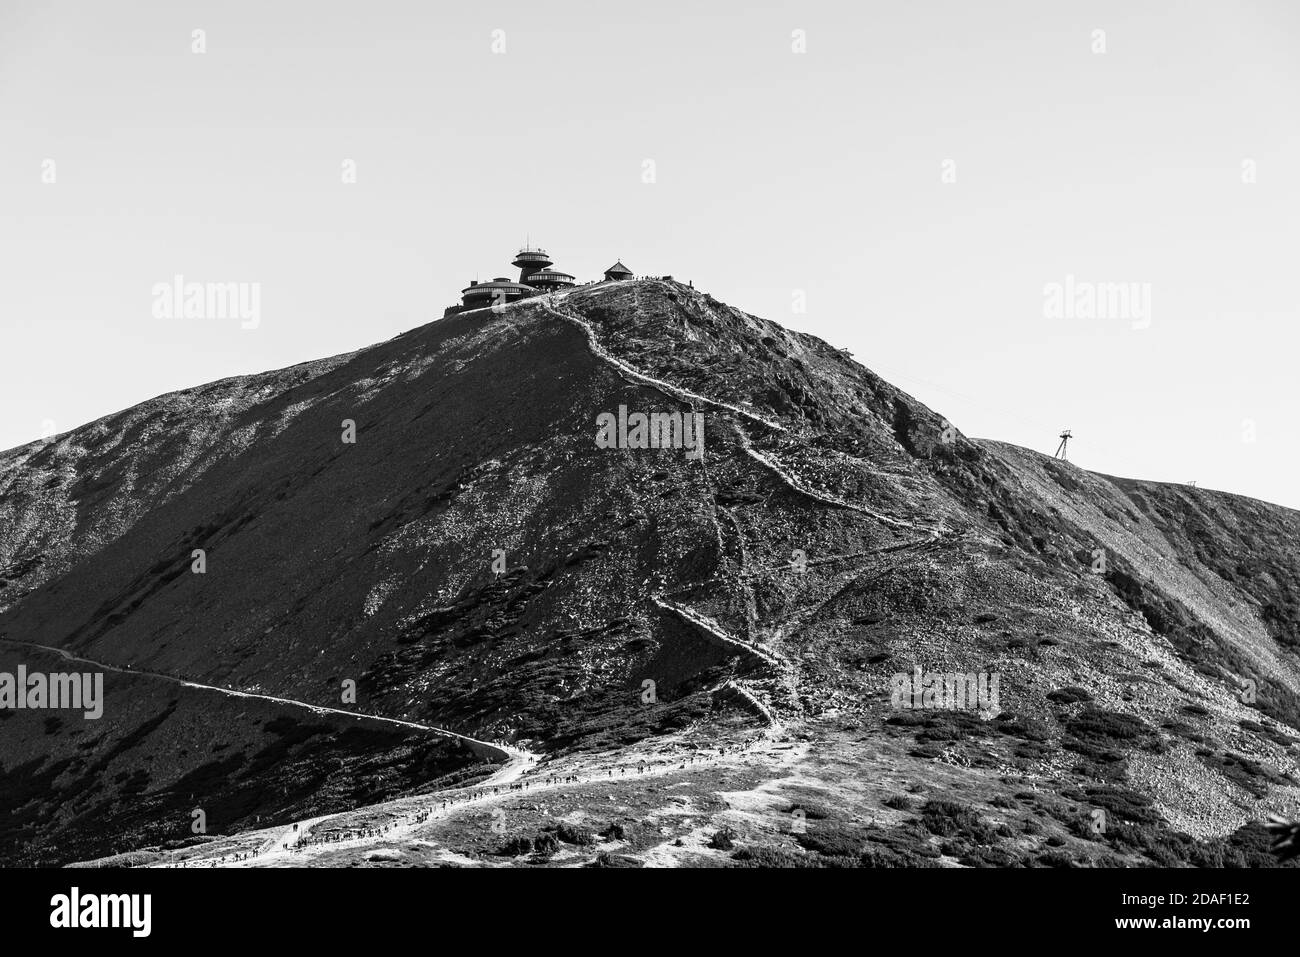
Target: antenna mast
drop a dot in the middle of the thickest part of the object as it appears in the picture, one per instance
(1060, 449)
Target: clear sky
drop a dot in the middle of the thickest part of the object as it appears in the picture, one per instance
(916, 177)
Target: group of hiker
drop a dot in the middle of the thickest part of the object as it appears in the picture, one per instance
(334, 837)
(467, 797)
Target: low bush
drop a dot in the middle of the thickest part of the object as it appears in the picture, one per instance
(1103, 737)
(723, 839)
(831, 840)
(606, 859)
(950, 819)
(1123, 804)
(775, 857)
(1069, 695)
(1241, 770)
(516, 846)
(575, 834)
(1053, 859)
(617, 832)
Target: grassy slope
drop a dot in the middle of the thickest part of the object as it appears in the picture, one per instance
(329, 561)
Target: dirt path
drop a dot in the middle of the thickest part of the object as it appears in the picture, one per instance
(505, 752)
(417, 812)
(674, 391)
(517, 760)
(690, 397)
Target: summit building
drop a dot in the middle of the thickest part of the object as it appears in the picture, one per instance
(535, 277)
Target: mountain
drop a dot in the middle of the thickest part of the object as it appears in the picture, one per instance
(439, 520)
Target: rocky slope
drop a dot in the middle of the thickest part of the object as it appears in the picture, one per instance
(475, 561)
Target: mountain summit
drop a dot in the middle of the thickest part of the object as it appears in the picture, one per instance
(619, 529)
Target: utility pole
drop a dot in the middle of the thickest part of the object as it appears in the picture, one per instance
(1060, 449)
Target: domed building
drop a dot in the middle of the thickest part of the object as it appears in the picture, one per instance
(530, 261)
(478, 295)
(548, 280)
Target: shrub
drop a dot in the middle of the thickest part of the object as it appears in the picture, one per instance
(874, 855)
(775, 857)
(908, 842)
(953, 726)
(723, 839)
(988, 857)
(606, 859)
(1276, 736)
(1100, 725)
(1053, 859)
(1069, 695)
(950, 819)
(811, 812)
(516, 846)
(616, 832)
(1123, 804)
(1251, 775)
(575, 834)
(907, 719)
(831, 840)
(1103, 736)
(1185, 731)
(1027, 729)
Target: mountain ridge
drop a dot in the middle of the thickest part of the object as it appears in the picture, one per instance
(374, 561)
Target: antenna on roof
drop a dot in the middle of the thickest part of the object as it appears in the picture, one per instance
(1060, 449)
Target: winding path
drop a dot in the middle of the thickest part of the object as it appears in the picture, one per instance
(686, 395)
(516, 762)
(501, 752)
